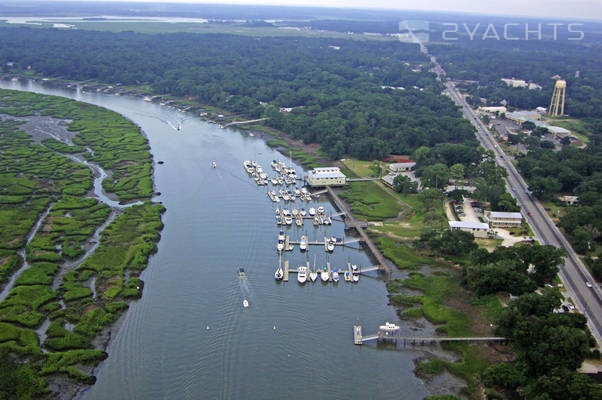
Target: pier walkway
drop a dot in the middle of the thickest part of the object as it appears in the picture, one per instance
(359, 339)
(359, 227)
(244, 122)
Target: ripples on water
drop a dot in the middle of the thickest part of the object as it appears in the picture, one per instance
(216, 221)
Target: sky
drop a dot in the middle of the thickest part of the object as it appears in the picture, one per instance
(585, 9)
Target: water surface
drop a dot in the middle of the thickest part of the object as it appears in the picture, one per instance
(189, 337)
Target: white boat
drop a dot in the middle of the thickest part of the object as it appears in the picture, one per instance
(281, 235)
(277, 211)
(356, 278)
(274, 181)
(279, 274)
(286, 212)
(274, 164)
(286, 196)
(303, 243)
(335, 276)
(297, 192)
(330, 245)
(313, 275)
(295, 212)
(388, 328)
(347, 276)
(299, 221)
(302, 274)
(354, 267)
(320, 210)
(213, 164)
(245, 303)
(312, 212)
(288, 220)
(317, 221)
(278, 220)
(280, 245)
(303, 212)
(324, 275)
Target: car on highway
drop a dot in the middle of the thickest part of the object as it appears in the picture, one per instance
(588, 284)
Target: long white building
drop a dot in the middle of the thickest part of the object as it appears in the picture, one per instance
(329, 176)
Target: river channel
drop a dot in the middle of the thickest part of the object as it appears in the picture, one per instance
(189, 336)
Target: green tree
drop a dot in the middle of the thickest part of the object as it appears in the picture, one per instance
(457, 171)
(403, 184)
(435, 176)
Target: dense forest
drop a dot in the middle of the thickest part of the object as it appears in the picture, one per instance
(334, 87)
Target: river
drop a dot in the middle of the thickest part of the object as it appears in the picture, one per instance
(189, 337)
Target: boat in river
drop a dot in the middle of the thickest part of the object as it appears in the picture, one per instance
(279, 274)
(356, 278)
(288, 220)
(313, 275)
(241, 272)
(389, 328)
(324, 275)
(312, 212)
(330, 245)
(320, 210)
(303, 212)
(302, 274)
(281, 235)
(303, 243)
(347, 276)
(299, 221)
(335, 276)
(280, 245)
(213, 164)
(354, 267)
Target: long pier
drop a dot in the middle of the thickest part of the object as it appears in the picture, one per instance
(359, 227)
(243, 122)
(359, 338)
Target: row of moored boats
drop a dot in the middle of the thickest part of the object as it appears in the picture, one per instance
(305, 274)
(285, 175)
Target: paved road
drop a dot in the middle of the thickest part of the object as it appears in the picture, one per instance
(573, 273)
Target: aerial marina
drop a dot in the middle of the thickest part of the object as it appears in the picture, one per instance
(287, 176)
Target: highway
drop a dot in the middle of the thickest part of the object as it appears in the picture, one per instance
(573, 273)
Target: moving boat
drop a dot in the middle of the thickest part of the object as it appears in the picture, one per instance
(213, 164)
(312, 212)
(302, 274)
(335, 276)
(303, 243)
(324, 275)
(245, 303)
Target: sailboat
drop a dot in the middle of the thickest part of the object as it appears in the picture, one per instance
(324, 275)
(279, 274)
(313, 274)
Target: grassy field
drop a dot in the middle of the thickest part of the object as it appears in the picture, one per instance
(366, 169)
(38, 177)
(369, 201)
(574, 125)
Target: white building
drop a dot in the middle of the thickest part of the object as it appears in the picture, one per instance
(503, 219)
(478, 229)
(494, 109)
(329, 176)
(402, 166)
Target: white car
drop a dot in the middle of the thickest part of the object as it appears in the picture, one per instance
(588, 284)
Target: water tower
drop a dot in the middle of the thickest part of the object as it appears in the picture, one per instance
(557, 103)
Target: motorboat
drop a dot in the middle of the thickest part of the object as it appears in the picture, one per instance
(354, 267)
(389, 328)
(330, 245)
(281, 235)
(288, 220)
(335, 276)
(299, 221)
(347, 276)
(241, 272)
(278, 220)
(303, 212)
(280, 245)
(303, 243)
(295, 212)
(312, 212)
(324, 275)
(274, 181)
(213, 164)
(297, 192)
(277, 211)
(286, 212)
(302, 274)
(356, 278)
(317, 220)
(274, 164)
(245, 303)
(320, 210)
(279, 274)
(286, 196)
